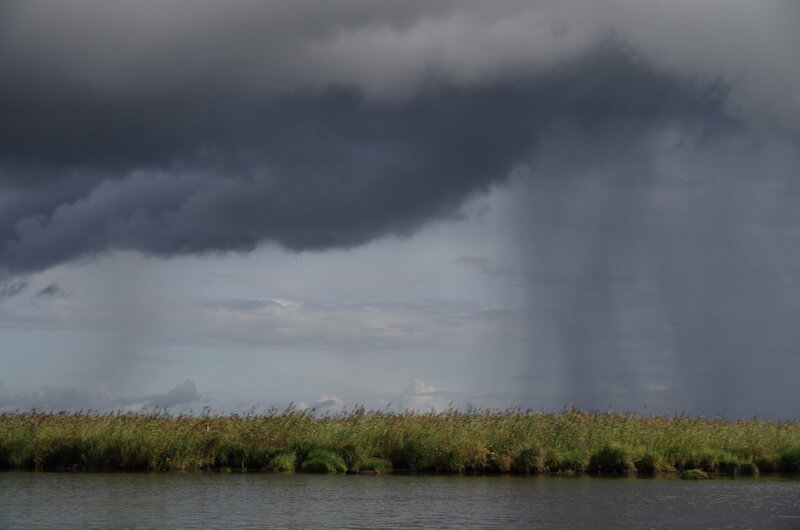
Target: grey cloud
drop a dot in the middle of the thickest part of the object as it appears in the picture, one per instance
(11, 287)
(236, 304)
(346, 327)
(221, 127)
(485, 266)
(327, 404)
(94, 398)
(47, 398)
(387, 50)
(181, 394)
(671, 265)
(309, 172)
(98, 398)
(51, 291)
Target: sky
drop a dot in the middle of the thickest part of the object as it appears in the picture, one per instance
(407, 205)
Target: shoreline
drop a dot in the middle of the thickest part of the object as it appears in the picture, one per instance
(569, 443)
(691, 474)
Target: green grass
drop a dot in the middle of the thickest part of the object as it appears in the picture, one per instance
(322, 461)
(512, 441)
(283, 461)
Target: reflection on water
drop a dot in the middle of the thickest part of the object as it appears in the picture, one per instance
(260, 500)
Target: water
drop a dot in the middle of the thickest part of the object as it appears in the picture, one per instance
(272, 500)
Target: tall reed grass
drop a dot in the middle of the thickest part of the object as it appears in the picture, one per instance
(473, 441)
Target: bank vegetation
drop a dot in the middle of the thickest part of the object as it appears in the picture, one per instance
(473, 441)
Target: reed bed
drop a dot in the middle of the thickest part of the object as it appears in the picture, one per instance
(473, 441)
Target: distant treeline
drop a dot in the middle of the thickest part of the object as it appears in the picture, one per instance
(473, 441)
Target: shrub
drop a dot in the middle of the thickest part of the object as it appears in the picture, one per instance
(413, 454)
(282, 462)
(706, 460)
(352, 456)
(501, 463)
(321, 461)
(728, 464)
(648, 463)
(574, 461)
(378, 465)
(461, 458)
(18, 453)
(748, 469)
(260, 457)
(230, 454)
(610, 459)
(790, 460)
(528, 460)
(767, 464)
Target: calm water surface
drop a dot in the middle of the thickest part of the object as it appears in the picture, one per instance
(272, 500)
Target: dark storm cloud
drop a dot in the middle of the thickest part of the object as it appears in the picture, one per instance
(190, 127)
(168, 175)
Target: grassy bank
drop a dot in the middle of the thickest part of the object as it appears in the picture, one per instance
(476, 441)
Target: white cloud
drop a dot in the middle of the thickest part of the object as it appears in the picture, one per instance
(418, 386)
(327, 405)
(421, 396)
